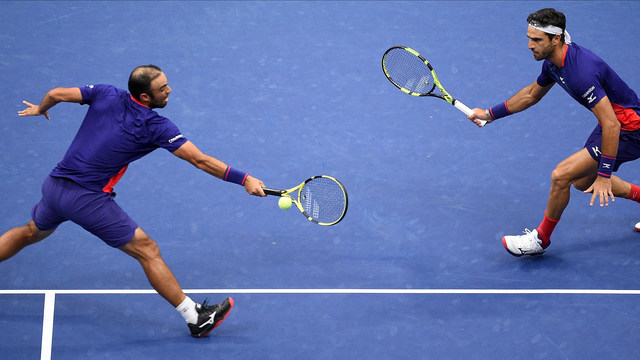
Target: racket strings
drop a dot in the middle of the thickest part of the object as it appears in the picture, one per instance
(323, 199)
(408, 71)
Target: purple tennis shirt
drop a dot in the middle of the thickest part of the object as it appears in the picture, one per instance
(588, 78)
(116, 131)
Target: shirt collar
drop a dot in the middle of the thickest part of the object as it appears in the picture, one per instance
(138, 102)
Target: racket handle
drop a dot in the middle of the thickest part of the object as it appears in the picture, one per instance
(465, 109)
(275, 192)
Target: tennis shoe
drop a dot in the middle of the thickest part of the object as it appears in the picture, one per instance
(637, 226)
(527, 244)
(209, 317)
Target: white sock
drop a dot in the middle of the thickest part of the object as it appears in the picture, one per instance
(187, 309)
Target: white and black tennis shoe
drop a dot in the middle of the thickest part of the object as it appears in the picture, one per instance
(209, 317)
(527, 244)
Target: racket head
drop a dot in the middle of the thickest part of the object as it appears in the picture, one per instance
(409, 71)
(323, 200)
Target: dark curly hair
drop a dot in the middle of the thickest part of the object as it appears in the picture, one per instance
(546, 17)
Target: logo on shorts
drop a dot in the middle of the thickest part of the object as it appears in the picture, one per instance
(596, 151)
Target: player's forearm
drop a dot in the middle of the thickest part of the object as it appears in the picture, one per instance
(610, 138)
(48, 101)
(58, 95)
(212, 166)
(522, 100)
(603, 110)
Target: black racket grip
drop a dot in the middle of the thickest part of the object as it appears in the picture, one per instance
(275, 192)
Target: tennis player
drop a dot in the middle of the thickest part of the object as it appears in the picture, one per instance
(119, 128)
(615, 139)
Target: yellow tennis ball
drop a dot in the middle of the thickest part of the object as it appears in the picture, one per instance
(284, 203)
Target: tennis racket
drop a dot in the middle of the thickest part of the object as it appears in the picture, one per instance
(412, 73)
(321, 199)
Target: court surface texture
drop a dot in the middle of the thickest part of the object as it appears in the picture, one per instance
(290, 89)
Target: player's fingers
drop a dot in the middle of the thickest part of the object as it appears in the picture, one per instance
(46, 115)
(604, 199)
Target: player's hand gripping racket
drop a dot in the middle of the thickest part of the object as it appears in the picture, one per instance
(412, 73)
(322, 199)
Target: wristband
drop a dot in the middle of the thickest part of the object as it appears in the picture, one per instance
(606, 165)
(235, 176)
(489, 117)
(499, 111)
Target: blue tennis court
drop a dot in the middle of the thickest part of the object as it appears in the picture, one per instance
(290, 89)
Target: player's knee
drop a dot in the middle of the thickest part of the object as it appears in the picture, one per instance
(34, 234)
(143, 247)
(152, 249)
(560, 178)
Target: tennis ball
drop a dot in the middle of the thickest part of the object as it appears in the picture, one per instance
(284, 203)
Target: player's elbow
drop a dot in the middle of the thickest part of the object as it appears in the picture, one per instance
(611, 125)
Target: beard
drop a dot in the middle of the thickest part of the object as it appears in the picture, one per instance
(158, 103)
(542, 55)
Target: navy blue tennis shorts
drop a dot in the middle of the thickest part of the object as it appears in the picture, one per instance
(97, 212)
(628, 146)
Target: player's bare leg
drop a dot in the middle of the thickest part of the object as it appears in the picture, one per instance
(578, 169)
(573, 169)
(201, 318)
(16, 239)
(146, 251)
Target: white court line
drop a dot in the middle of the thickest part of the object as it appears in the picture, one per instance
(331, 291)
(50, 296)
(47, 325)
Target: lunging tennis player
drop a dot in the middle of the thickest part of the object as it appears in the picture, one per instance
(615, 139)
(119, 128)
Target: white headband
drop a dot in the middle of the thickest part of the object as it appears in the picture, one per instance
(550, 29)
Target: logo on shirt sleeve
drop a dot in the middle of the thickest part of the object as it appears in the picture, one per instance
(176, 138)
(589, 95)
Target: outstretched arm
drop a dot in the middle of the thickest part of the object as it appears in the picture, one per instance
(51, 98)
(189, 152)
(522, 100)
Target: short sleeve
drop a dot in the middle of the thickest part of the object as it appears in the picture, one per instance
(166, 134)
(92, 92)
(544, 79)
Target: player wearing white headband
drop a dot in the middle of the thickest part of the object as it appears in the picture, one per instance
(594, 84)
